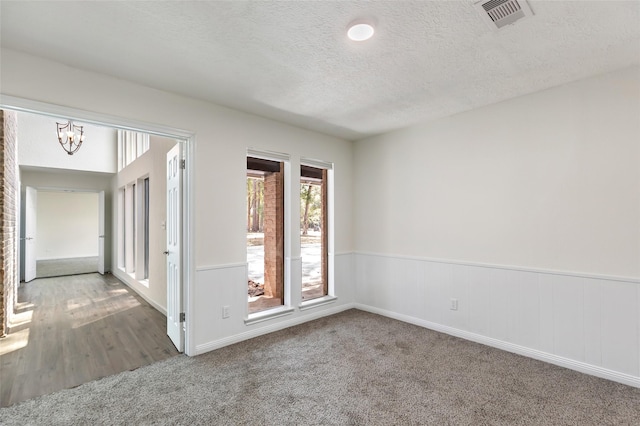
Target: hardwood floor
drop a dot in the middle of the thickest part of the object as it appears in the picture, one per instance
(72, 330)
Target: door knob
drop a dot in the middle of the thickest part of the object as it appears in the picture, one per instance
(166, 252)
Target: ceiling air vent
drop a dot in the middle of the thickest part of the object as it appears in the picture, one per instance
(498, 13)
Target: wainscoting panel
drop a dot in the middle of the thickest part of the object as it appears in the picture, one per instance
(593, 323)
(619, 315)
(345, 288)
(293, 269)
(528, 310)
(587, 323)
(568, 315)
(226, 285)
(479, 321)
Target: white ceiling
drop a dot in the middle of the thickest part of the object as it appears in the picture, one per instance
(291, 60)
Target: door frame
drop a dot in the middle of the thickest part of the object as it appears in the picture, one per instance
(102, 219)
(102, 213)
(188, 203)
(29, 226)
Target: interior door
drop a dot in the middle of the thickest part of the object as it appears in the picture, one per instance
(30, 205)
(173, 251)
(101, 213)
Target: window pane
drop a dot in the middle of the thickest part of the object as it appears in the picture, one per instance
(265, 233)
(313, 232)
(134, 224)
(122, 247)
(146, 228)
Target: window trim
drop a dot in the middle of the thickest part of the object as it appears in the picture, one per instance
(141, 230)
(131, 145)
(314, 303)
(329, 167)
(267, 314)
(133, 231)
(129, 235)
(286, 306)
(146, 200)
(121, 243)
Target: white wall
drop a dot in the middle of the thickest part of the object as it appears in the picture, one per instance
(550, 180)
(527, 212)
(222, 137)
(152, 165)
(38, 145)
(67, 225)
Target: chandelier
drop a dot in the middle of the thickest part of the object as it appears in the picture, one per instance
(70, 136)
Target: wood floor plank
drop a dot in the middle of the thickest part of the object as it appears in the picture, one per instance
(82, 328)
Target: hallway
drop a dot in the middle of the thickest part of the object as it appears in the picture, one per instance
(75, 329)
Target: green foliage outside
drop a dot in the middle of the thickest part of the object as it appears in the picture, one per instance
(310, 206)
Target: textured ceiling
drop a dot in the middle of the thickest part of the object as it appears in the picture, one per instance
(291, 60)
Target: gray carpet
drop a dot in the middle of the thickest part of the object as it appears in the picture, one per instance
(353, 368)
(63, 267)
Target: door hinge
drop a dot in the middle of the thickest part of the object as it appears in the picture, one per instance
(183, 164)
(182, 317)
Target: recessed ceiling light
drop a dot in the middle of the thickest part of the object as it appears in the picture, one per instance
(360, 32)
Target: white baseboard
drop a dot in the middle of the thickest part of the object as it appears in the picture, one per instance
(582, 367)
(217, 344)
(125, 279)
(84, 256)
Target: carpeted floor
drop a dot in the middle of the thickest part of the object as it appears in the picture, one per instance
(353, 368)
(62, 267)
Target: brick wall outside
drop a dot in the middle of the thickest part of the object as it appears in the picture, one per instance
(274, 235)
(8, 220)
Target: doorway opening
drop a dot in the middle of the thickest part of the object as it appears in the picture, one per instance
(68, 230)
(117, 300)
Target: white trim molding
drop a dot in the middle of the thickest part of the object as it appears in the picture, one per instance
(505, 267)
(316, 163)
(222, 266)
(268, 155)
(313, 303)
(268, 314)
(100, 119)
